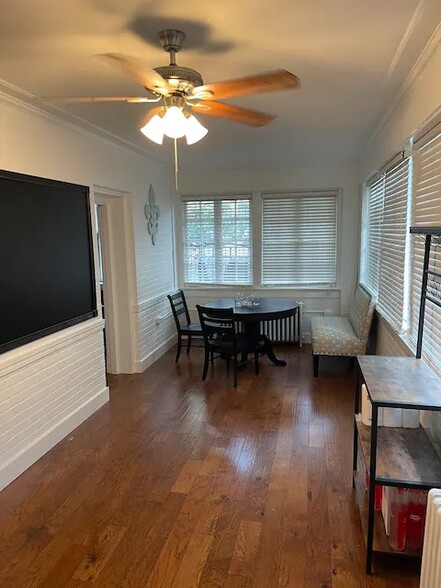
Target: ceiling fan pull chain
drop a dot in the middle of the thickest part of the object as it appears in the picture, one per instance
(176, 163)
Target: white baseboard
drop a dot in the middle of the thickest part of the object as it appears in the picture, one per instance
(37, 448)
(150, 358)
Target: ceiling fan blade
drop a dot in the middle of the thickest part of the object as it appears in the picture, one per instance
(267, 82)
(236, 113)
(151, 113)
(134, 99)
(134, 68)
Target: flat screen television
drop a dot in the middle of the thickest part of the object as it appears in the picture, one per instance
(47, 275)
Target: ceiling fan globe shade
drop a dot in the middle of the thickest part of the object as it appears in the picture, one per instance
(175, 123)
(154, 130)
(195, 130)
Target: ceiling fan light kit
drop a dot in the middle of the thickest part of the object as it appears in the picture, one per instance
(154, 129)
(182, 91)
(175, 122)
(195, 131)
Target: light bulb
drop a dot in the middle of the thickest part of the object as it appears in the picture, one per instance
(154, 129)
(195, 131)
(175, 123)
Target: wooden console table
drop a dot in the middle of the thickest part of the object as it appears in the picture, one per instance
(397, 457)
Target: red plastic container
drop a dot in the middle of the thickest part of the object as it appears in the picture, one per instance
(416, 516)
(398, 519)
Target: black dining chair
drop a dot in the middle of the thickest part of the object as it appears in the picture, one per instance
(220, 333)
(184, 326)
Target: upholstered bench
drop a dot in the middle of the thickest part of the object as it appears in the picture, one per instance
(343, 336)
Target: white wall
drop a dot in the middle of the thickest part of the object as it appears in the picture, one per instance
(419, 103)
(342, 177)
(48, 387)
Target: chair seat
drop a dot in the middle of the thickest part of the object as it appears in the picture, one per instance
(191, 329)
(334, 335)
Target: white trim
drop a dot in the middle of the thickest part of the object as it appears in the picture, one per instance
(416, 16)
(24, 101)
(428, 52)
(401, 47)
(120, 278)
(152, 356)
(38, 447)
(145, 304)
(256, 197)
(304, 293)
(18, 358)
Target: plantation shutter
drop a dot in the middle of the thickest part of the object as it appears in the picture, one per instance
(217, 240)
(393, 244)
(427, 212)
(299, 239)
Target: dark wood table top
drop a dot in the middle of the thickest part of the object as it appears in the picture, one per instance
(401, 381)
(269, 308)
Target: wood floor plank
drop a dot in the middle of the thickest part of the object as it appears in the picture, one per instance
(193, 562)
(97, 557)
(246, 549)
(268, 565)
(169, 560)
(63, 570)
(318, 557)
(295, 523)
(187, 476)
(178, 482)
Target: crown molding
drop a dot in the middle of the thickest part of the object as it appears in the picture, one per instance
(429, 51)
(25, 101)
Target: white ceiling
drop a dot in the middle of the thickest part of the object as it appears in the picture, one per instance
(351, 55)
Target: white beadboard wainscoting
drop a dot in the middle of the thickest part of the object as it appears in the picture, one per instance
(315, 302)
(157, 331)
(47, 388)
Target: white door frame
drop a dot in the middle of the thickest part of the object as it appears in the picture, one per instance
(119, 269)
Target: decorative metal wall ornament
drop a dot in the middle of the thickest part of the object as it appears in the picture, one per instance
(151, 211)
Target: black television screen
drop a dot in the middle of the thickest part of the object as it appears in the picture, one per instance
(47, 277)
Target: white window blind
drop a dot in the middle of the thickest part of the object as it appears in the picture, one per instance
(374, 211)
(427, 212)
(217, 240)
(299, 239)
(386, 235)
(393, 244)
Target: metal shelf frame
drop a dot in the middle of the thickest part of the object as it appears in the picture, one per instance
(431, 235)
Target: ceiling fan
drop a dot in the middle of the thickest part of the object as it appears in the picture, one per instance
(182, 91)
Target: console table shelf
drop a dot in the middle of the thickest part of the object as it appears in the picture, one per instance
(397, 457)
(405, 457)
(380, 541)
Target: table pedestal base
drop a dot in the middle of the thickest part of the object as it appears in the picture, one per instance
(253, 328)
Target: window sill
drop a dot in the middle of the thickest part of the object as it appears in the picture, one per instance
(407, 345)
(258, 288)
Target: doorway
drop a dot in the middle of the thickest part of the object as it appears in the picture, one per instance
(117, 277)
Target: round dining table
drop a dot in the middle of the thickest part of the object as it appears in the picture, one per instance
(268, 309)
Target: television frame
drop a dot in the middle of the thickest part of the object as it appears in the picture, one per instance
(29, 179)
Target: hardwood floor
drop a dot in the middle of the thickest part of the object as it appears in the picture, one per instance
(185, 484)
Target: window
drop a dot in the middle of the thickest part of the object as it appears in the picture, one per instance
(373, 212)
(427, 212)
(299, 239)
(386, 235)
(217, 240)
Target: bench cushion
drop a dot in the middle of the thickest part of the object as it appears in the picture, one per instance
(334, 335)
